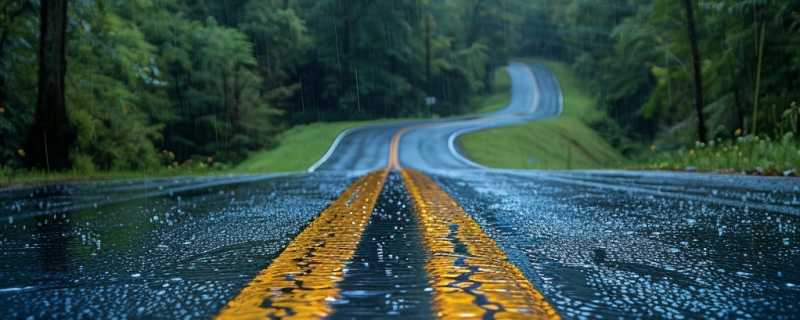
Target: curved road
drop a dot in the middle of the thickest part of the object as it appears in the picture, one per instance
(456, 238)
(429, 144)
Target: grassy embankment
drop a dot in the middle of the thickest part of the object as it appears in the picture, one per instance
(566, 142)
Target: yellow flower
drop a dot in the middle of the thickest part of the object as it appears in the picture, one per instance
(738, 132)
(21, 152)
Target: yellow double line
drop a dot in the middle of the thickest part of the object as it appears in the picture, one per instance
(471, 276)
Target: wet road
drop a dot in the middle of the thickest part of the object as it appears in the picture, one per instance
(450, 239)
(644, 245)
(155, 249)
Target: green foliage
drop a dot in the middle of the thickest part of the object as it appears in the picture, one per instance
(18, 78)
(152, 84)
(109, 59)
(749, 154)
(635, 57)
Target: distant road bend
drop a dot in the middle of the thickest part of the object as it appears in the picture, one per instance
(394, 222)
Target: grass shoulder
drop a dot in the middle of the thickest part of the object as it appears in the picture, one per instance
(35, 178)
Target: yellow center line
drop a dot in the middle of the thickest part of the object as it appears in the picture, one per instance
(472, 277)
(394, 157)
(302, 279)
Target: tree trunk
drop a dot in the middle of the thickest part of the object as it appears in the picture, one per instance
(428, 54)
(488, 79)
(50, 137)
(698, 72)
(757, 94)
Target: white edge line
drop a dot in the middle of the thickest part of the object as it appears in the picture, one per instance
(536, 90)
(560, 92)
(328, 154)
(451, 144)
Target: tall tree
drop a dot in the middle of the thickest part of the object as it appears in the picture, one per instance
(50, 139)
(698, 72)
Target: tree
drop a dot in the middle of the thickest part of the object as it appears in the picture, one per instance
(493, 23)
(697, 71)
(17, 78)
(50, 137)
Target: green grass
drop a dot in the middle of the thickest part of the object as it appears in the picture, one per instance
(298, 148)
(749, 154)
(501, 96)
(32, 178)
(565, 142)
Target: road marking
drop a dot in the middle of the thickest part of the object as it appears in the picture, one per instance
(451, 144)
(394, 158)
(471, 276)
(333, 147)
(302, 280)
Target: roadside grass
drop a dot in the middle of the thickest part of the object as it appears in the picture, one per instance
(32, 178)
(299, 147)
(566, 142)
(747, 155)
(501, 96)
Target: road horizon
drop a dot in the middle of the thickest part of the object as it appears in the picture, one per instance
(395, 222)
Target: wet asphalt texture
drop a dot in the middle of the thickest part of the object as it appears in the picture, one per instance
(598, 244)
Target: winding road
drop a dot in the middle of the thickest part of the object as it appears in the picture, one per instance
(394, 222)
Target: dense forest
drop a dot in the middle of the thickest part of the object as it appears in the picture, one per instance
(148, 83)
(679, 72)
(140, 84)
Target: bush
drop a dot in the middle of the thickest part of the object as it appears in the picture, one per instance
(747, 154)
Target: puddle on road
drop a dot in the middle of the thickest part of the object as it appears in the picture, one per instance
(596, 252)
(179, 254)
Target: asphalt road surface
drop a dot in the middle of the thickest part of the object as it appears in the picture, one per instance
(426, 234)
